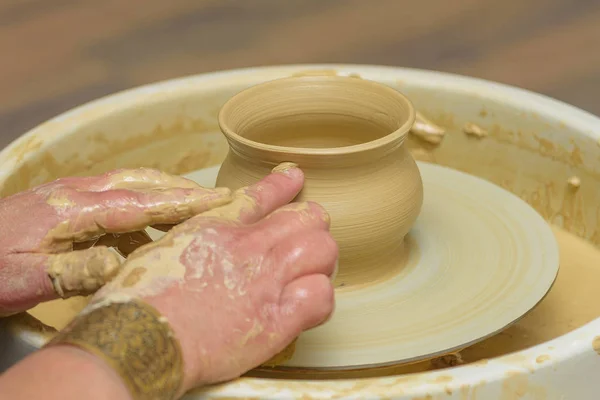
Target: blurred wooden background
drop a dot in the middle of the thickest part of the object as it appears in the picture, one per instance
(56, 54)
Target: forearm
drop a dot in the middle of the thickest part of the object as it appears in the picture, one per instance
(62, 373)
(120, 351)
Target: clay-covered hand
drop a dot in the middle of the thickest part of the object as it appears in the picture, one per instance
(40, 226)
(237, 283)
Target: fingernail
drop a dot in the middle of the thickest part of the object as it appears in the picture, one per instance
(285, 168)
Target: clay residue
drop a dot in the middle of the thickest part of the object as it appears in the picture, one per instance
(596, 344)
(574, 182)
(144, 274)
(427, 130)
(473, 130)
(285, 355)
(526, 164)
(111, 298)
(134, 276)
(516, 385)
(119, 149)
(142, 178)
(25, 147)
(448, 360)
(59, 200)
(537, 145)
(162, 207)
(82, 272)
(242, 203)
(256, 329)
(444, 379)
(326, 72)
(316, 72)
(542, 359)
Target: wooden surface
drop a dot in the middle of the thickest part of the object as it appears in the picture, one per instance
(56, 54)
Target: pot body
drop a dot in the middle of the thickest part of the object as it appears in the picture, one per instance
(372, 205)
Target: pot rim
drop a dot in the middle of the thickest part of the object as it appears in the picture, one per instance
(397, 135)
(570, 347)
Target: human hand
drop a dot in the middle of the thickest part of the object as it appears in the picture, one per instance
(236, 284)
(40, 227)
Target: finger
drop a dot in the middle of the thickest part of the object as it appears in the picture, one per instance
(305, 253)
(305, 303)
(24, 282)
(289, 220)
(139, 178)
(254, 202)
(121, 211)
(82, 272)
(29, 279)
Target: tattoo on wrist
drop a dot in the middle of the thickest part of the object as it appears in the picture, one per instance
(136, 343)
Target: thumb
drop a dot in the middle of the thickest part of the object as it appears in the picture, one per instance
(82, 272)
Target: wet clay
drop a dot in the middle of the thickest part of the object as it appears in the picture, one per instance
(473, 130)
(333, 128)
(574, 182)
(82, 272)
(426, 130)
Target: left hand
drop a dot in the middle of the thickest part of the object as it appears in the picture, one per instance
(41, 226)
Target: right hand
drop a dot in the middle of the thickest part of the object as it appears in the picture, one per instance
(239, 282)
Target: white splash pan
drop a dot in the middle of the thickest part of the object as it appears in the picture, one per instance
(535, 142)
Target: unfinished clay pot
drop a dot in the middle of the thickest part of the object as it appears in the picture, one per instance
(347, 135)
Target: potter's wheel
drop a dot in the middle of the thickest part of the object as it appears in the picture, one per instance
(478, 259)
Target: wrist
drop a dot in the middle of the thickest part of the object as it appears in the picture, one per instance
(131, 339)
(192, 342)
(62, 373)
(86, 364)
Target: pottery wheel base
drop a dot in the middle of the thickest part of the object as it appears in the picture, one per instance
(478, 259)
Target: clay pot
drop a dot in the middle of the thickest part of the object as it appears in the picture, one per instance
(347, 135)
